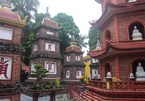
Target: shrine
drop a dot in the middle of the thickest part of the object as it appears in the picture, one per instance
(11, 30)
(46, 48)
(73, 66)
(121, 54)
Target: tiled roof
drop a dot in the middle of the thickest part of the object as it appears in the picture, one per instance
(126, 45)
(10, 17)
(49, 23)
(73, 48)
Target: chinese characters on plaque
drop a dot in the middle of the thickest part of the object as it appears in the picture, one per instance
(5, 68)
(51, 67)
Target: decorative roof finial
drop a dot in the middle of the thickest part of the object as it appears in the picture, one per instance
(73, 42)
(47, 13)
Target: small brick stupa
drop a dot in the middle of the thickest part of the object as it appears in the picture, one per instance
(73, 66)
(46, 48)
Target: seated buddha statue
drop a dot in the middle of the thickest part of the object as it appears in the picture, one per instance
(136, 35)
(140, 73)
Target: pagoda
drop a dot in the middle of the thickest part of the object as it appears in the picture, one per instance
(46, 48)
(11, 30)
(121, 53)
(73, 66)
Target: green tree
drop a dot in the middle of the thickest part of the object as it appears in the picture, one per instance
(24, 7)
(27, 45)
(94, 37)
(67, 29)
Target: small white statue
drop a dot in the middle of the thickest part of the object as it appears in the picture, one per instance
(109, 75)
(131, 76)
(140, 71)
(136, 35)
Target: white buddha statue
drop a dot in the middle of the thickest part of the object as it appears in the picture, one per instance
(136, 35)
(140, 73)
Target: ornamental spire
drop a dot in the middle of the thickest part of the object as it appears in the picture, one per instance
(73, 41)
(47, 12)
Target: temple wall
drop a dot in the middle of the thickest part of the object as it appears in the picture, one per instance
(111, 61)
(108, 27)
(16, 34)
(15, 69)
(125, 20)
(125, 65)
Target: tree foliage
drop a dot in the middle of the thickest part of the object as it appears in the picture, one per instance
(39, 73)
(68, 28)
(94, 37)
(24, 7)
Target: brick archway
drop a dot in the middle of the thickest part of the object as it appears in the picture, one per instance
(107, 68)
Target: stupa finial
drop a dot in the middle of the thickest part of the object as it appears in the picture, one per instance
(73, 42)
(47, 12)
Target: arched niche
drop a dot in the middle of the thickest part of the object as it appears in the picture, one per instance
(107, 68)
(108, 35)
(135, 64)
(140, 28)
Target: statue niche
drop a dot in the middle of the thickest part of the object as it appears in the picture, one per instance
(140, 73)
(136, 35)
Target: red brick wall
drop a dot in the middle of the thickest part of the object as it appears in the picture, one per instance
(109, 27)
(111, 61)
(125, 65)
(125, 20)
(16, 67)
(16, 34)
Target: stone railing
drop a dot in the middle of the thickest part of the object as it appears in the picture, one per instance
(125, 85)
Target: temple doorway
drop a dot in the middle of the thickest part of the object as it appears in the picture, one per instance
(135, 64)
(107, 68)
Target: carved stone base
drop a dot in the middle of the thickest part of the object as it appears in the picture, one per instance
(140, 79)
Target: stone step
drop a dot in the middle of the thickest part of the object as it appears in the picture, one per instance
(90, 96)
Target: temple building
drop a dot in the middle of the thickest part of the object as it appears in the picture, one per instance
(46, 48)
(122, 38)
(11, 33)
(73, 66)
(121, 53)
